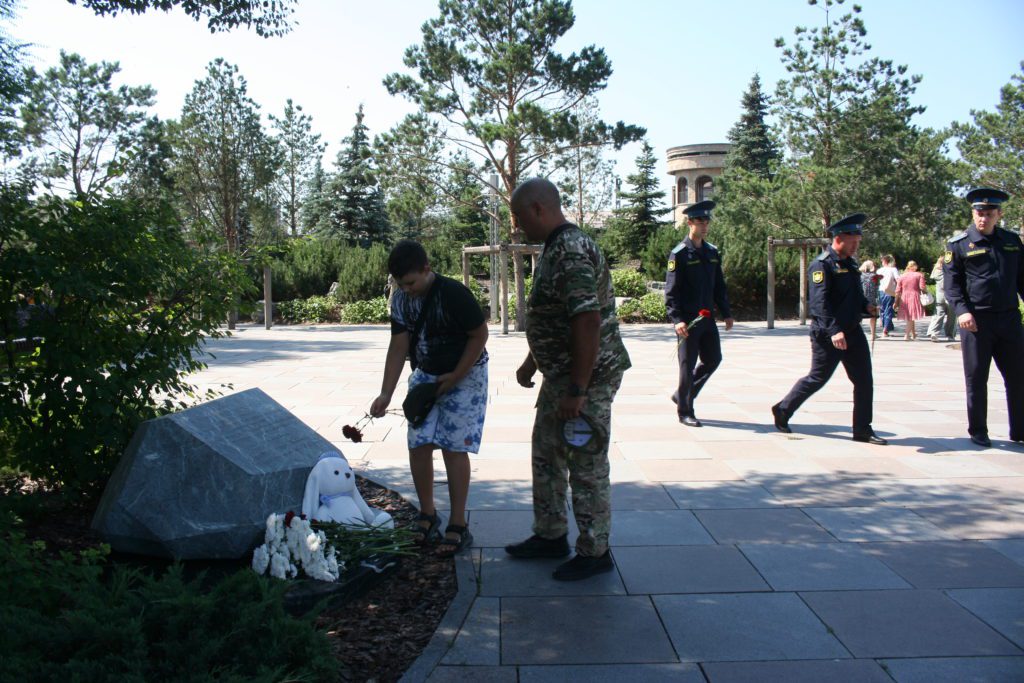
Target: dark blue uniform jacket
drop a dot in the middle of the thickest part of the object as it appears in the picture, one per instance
(837, 302)
(983, 273)
(695, 281)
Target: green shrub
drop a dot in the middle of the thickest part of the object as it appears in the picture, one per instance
(650, 308)
(628, 283)
(315, 309)
(363, 274)
(307, 269)
(372, 311)
(122, 306)
(527, 288)
(475, 288)
(655, 255)
(66, 618)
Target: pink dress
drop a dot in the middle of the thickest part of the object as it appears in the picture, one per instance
(908, 289)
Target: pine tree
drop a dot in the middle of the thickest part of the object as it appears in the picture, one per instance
(300, 150)
(753, 150)
(638, 218)
(355, 203)
(314, 207)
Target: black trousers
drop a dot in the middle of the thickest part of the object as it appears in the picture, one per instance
(703, 342)
(1000, 337)
(825, 358)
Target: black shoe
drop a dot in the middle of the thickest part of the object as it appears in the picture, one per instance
(538, 546)
(674, 399)
(870, 437)
(781, 419)
(981, 440)
(690, 421)
(581, 567)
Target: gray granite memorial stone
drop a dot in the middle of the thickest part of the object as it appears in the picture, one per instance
(199, 484)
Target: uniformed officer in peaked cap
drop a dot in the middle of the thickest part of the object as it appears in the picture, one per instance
(837, 305)
(695, 282)
(983, 277)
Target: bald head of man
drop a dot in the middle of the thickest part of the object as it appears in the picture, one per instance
(537, 208)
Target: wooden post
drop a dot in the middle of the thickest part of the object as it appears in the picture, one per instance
(503, 261)
(268, 304)
(803, 285)
(465, 269)
(771, 283)
(520, 273)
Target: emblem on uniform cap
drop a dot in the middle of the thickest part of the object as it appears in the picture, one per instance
(818, 277)
(970, 245)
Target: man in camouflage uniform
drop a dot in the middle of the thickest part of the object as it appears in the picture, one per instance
(574, 341)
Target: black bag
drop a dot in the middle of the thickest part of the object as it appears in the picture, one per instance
(418, 402)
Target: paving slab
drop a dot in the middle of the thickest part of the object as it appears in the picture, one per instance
(479, 639)
(820, 566)
(503, 575)
(640, 495)
(976, 521)
(737, 627)
(657, 527)
(704, 495)
(613, 673)
(483, 674)
(1000, 608)
(958, 564)
(812, 671)
(959, 669)
(911, 623)
(766, 526)
(547, 630)
(686, 569)
(859, 524)
(1013, 548)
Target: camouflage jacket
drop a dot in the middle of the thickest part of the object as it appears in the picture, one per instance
(572, 277)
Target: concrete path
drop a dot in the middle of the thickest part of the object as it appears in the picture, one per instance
(741, 554)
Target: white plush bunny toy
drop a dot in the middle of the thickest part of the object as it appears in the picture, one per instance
(332, 496)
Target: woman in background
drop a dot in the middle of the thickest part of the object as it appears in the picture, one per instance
(908, 298)
(869, 280)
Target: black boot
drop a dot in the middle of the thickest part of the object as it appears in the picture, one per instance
(538, 546)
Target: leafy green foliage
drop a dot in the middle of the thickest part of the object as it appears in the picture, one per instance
(527, 288)
(654, 259)
(68, 618)
(315, 309)
(643, 205)
(300, 150)
(993, 148)
(306, 269)
(82, 126)
(753, 149)
(489, 69)
(363, 274)
(12, 84)
(628, 283)
(650, 308)
(372, 311)
(267, 17)
(121, 306)
(225, 164)
(352, 196)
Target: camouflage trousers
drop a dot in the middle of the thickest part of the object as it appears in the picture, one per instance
(556, 465)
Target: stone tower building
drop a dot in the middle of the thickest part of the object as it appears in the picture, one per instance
(694, 168)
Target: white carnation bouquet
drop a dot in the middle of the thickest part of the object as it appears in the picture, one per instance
(291, 544)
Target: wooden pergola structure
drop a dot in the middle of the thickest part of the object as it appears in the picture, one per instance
(499, 280)
(803, 244)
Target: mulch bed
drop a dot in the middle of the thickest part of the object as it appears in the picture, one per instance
(375, 636)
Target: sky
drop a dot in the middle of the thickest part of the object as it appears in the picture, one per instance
(680, 67)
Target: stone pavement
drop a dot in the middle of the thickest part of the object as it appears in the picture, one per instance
(741, 554)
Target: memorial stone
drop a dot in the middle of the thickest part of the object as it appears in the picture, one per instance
(199, 484)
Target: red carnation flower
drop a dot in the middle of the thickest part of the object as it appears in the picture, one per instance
(704, 313)
(288, 517)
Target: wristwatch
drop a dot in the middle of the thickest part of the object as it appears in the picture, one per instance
(575, 390)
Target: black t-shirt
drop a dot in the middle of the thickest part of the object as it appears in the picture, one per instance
(451, 313)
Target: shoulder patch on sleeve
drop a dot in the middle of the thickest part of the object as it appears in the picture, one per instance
(947, 257)
(671, 264)
(818, 276)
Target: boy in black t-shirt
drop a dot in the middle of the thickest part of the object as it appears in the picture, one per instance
(439, 325)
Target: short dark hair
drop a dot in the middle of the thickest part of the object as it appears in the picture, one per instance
(406, 256)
